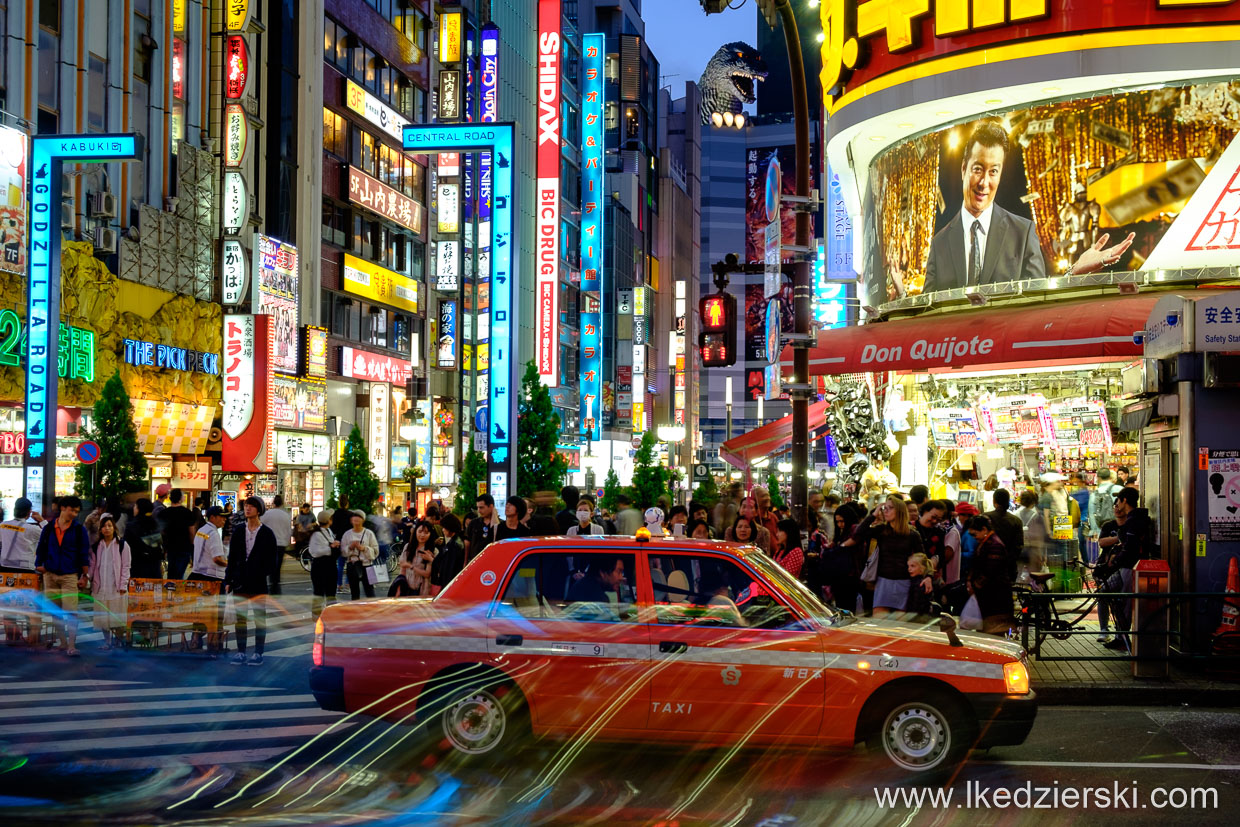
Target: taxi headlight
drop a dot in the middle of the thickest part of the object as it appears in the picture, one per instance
(1016, 678)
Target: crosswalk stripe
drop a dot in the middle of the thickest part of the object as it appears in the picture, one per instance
(211, 759)
(180, 691)
(170, 739)
(160, 721)
(299, 651)
(96, 709)
(7, 685)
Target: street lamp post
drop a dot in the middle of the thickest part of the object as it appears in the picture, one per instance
(798, 388)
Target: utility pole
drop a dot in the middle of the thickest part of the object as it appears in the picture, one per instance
(799, 388)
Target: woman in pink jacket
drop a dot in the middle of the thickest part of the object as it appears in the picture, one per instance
(110, 583)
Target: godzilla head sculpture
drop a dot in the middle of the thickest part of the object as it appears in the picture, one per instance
(730, 78)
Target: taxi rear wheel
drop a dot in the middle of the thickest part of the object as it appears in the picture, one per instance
(484, 720)
(921, 735)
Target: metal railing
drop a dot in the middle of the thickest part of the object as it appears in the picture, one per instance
(1042, 616)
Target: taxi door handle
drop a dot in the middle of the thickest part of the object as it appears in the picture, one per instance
(508, 640)
(673, 647)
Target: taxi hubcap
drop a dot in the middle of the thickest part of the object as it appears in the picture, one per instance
(476, 722)
(916, 736)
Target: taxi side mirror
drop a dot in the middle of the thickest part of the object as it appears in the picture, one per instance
(947, 625)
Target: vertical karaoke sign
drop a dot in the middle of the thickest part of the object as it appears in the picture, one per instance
(497, 139)
(48, 155)
(592, 207)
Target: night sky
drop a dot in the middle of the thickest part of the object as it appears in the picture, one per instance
(683, 38)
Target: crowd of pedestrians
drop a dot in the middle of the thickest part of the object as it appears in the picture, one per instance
(904, 556)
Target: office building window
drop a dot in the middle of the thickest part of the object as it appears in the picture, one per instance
(49, 14)
(49, 82)
(97, 92)
(141, 47)
(335, 134)
(335, 223)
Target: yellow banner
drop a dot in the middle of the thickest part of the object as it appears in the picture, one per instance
(382, 285)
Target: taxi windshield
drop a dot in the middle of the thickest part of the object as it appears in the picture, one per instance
(794, 590)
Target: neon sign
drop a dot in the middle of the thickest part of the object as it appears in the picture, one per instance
(592, 274)
(547, 200)
(48, 154)
(496, 139)
(237, 69)
(149, 354)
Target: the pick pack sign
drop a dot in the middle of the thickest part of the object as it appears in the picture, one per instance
(1223, 495)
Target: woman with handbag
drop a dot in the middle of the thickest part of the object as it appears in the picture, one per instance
(360, 548)
(894, 541)
(415, 564)
(323, 547)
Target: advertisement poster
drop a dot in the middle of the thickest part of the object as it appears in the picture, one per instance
(446, 339)
(275, 295)
(756, 162)
(1068, 173)
(1017, 419)
(755, 324)
(955, 429)
(12, 200)
(299, 403)
(1223, 495)
(1080, 426)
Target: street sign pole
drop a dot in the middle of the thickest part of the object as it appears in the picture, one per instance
(48, 154)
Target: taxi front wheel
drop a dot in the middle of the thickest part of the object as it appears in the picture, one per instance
(483, 721)
(922, 736)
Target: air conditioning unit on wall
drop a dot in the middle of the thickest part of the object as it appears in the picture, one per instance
(101, 205)
(104, 240)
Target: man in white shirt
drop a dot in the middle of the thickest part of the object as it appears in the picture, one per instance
(281, 524)
(19, 538)
(210, 561)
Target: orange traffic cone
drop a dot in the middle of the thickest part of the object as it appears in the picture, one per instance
(1231, 604)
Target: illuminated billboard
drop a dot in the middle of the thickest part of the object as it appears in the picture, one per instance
(897, 42)
(758, 161)
(1042, 194)
(547, 198)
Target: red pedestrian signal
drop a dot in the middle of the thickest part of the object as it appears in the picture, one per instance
(717, 341)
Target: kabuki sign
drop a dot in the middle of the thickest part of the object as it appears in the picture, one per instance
(547, 208)
(47, 155)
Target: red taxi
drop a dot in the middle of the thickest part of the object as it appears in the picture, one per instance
(709, 643)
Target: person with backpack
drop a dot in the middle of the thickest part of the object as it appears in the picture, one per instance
(1101, 508)
(1126, 540)
(145, 539)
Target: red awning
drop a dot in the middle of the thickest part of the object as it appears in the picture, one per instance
(761, 442)
(1051, 333)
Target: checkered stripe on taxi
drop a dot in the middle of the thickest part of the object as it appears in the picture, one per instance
(740, 656)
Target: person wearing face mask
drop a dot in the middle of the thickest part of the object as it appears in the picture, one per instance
(585, 526)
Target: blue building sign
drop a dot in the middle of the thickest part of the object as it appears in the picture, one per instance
(496, 139)
(47, 155)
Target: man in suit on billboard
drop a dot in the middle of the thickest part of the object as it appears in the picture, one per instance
(986, 244)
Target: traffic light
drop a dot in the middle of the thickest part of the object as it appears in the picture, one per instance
(717, 341)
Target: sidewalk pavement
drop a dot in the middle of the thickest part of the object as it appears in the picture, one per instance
(1104, 677)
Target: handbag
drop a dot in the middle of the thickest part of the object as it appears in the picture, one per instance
(372, 575)
(870, 573)
(381, 574)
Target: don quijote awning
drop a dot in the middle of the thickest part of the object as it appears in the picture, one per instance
(1099, 330)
